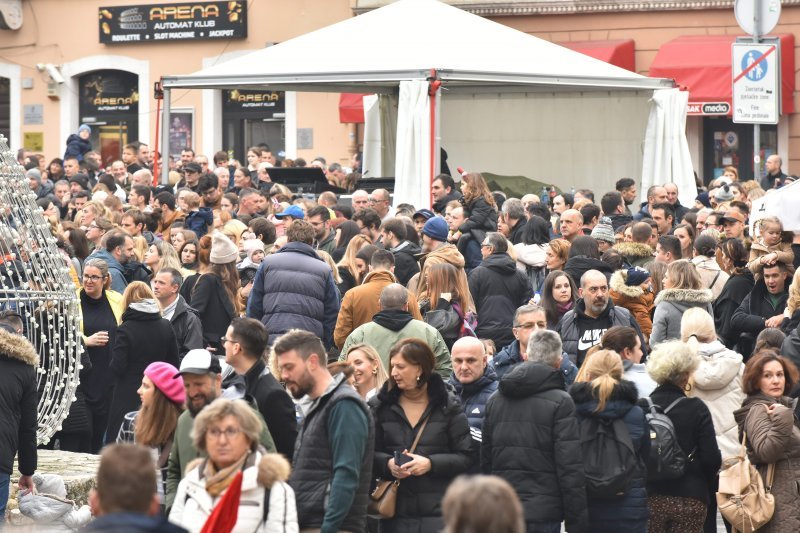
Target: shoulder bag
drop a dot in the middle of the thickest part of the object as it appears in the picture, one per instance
(384, 497)
(743, 498)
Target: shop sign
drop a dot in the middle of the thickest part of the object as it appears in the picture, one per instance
(260, 102)
(709, 108)
(108, 92)
(33, 141)
(174, 22)
(756, 83)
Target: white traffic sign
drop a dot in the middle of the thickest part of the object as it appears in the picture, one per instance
(766, 12)
(756, 83)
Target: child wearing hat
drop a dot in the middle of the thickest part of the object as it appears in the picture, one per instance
(78, 143)
(633, 290)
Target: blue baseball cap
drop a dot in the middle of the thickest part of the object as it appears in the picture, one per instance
(293, 211)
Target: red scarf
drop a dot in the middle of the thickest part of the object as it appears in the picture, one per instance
(224, 516)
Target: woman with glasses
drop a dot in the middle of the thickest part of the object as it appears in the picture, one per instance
(143, 337)
(96, 230)
(101, 311)
(227, 433)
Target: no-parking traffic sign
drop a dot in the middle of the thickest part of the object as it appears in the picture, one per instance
(756, 83)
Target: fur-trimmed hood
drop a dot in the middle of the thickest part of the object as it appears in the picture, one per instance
(685, 296)
(634, 249)
(272, 467)
(18, 347)
(617, 284)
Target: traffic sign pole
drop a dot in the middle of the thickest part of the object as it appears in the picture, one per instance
(756, 127)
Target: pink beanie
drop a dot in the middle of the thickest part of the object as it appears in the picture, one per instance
(167, 379)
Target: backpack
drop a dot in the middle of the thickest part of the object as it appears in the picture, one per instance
(667, 459)
(609, 459)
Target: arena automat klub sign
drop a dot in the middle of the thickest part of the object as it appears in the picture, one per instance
(174, 22)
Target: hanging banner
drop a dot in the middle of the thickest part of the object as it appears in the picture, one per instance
(782, 204)
(174, 22)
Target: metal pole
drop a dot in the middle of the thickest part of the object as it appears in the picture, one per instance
(756, 127)
(165, 125)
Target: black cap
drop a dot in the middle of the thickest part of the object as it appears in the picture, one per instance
(192, 167)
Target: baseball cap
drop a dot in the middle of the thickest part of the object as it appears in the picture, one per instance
(192, 167)
(293, 211)
(427, 214)
(733, 216)
(199, 361)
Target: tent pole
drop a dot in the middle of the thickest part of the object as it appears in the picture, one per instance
(433, 89)
(165, 124)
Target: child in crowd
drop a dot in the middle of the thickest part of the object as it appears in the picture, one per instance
(78, 143)
(198, 219)
(771, 247)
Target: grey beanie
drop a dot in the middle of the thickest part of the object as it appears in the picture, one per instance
(724, 194)
(604, 231)
(34, 174)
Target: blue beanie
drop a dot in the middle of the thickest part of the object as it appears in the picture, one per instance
(85, 127)
(636, 276)
(436, 228)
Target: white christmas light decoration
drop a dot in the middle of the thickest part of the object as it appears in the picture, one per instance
(35, 282)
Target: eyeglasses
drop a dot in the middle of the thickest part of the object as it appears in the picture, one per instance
(92, 278)
(223, 340)
(93, 226)
(485, 245)
(229, 433)
(376, 201)
(209, 192)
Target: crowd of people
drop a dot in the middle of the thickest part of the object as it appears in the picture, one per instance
(278, 356)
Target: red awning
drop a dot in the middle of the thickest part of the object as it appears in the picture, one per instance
(619, 53)
(702, 65)
(351, 108)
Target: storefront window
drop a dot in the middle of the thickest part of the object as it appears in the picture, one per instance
(251, 117)
(5, 107)
(728, 144)
(109, 102)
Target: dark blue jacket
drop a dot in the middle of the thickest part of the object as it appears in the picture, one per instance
(199, 221)
(115, 269)
(76, 147)
(473, 398)
(509, 356)
(131, 523)
(294, 289)
(621, 404)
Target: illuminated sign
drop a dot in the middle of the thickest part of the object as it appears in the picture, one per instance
(268, 104)
(174, 22)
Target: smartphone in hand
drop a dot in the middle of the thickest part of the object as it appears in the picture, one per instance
(400, 458)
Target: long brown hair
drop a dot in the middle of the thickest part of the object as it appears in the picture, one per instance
(229, 277)
(443, 277)
(477, 188)
(155, 425)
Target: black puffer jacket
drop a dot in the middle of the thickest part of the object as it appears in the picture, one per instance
(498, 288)
(632, 506)
(733, 292)
(446, 442)
(18, 362)
(695, 431)
(405, 261)
(531, 439)
(749, 318)
(577, 266)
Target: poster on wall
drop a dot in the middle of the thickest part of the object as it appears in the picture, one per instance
(181, 130)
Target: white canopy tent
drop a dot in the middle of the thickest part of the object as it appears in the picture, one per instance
(495, 98)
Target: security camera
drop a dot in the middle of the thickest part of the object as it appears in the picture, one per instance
(52, 71)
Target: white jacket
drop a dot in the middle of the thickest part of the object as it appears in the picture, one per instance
(534, 255)
(193, 504)
(712, 276)
(718, 382)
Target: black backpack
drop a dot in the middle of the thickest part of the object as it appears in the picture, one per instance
(667, 460)
(609, 459)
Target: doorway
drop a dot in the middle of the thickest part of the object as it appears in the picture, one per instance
(726, 143)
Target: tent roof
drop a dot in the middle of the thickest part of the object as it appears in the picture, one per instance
(404, 40)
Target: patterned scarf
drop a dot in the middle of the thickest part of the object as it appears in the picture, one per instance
(218, 480)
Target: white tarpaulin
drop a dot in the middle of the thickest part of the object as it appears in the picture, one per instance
(413, 160)
(373, 137)
(666, 156)
(783, 203)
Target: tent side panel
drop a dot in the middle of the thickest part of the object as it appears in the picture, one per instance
(581, 140)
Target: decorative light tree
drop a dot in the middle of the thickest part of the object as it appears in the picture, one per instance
(35, 282)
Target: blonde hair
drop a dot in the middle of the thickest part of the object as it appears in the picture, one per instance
(191, 199)
(443, 277)
(698, 323)
(381, 376)
(762, 224)
(348, 260)
(140, 247)
(684, 275)
(794, 293)
(325, 256)
(169, 257)
(603, 369)
(671, 362)
(560, 248)
(137, 291)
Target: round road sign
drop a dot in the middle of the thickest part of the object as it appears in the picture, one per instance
(767, 11)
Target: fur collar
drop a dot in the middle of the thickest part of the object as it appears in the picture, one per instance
(634, 249)
(692, 296)
(18, 347)
(617, 284)
(272, 467)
